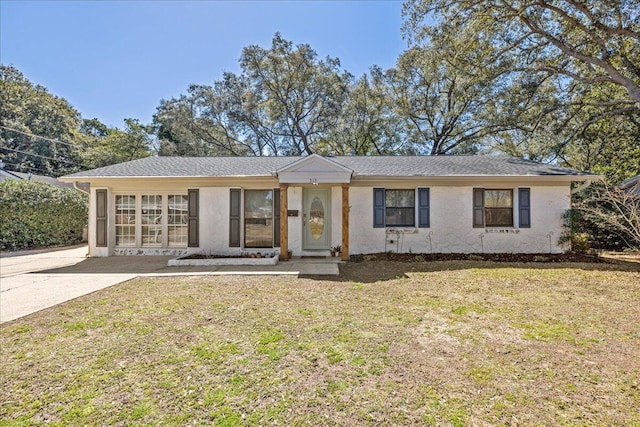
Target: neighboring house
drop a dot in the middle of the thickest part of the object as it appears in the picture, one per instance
(5, 174)
(631, 186)
(419, 204)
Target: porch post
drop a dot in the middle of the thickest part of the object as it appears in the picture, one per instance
(284, 223)
(345, 222)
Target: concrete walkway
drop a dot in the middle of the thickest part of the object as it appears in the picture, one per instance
(34, 280)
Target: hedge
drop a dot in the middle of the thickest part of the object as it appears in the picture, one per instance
(37, 214)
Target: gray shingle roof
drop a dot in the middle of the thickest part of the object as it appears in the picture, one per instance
(631, 186)
(374, 166)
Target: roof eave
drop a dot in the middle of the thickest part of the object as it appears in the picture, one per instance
(568, 178)
(147, 177)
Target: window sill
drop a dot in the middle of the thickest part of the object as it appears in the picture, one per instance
(403, 230)
(502, 230)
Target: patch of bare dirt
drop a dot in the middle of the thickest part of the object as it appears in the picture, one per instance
(386, 266)
(627, 256)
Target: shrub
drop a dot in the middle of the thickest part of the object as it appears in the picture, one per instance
(573, 233)
(37, 214)
(580, 243)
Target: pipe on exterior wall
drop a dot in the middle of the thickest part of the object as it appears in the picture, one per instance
(581, 186)
(75, 185)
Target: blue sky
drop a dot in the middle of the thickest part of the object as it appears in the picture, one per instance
(118, 59)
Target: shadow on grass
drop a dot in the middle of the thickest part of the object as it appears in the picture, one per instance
(365, 269)
(114, 265)
(382, 267)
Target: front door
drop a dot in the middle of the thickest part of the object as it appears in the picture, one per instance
(316, 219)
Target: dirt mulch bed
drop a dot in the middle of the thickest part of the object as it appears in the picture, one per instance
(566, 257)
(386, 266)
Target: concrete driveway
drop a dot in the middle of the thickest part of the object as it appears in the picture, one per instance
(31, 281)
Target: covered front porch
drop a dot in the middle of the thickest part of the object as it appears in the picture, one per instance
(321, 188)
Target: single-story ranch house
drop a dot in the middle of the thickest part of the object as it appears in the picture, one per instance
(307, 205)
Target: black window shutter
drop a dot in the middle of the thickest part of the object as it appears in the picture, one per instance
(423, 208)
(234, 218)
(524, 205)
(101, 218)
(193, 221)
(378, 208)
(276, 217)
(478, 207)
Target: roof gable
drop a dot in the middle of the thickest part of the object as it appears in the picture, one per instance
(314, 169)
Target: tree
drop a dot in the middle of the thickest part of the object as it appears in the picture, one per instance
(284, 102)
(600, 142)
(367, 124)
(443, 103)
(27, 110)
(576, 130)
(44, 134)
(205, 121)
(607, 211)
(590, 43)
(301, 95)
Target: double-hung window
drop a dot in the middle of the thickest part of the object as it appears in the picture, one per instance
(397, 208)
(496, 207)
(400, 208)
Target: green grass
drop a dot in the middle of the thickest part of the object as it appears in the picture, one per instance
(463, 344)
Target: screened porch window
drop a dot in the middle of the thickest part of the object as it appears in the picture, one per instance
(258, 219)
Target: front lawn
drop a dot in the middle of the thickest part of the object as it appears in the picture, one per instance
(460, 344)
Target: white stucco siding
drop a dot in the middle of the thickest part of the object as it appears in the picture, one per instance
(452, 230)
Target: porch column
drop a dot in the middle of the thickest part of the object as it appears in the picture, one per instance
(345, 222)
(284, 223)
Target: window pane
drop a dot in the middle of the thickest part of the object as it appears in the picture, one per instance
(498, 198)
(498, 208)
(151, 219)
(400, 208)
(177, 211)
(125, 220)
(258, 204)
(400, 216)
(399, 198)
(125, 209)
(258, 233)
(258, 219)
(499, 217)
(316, 218)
